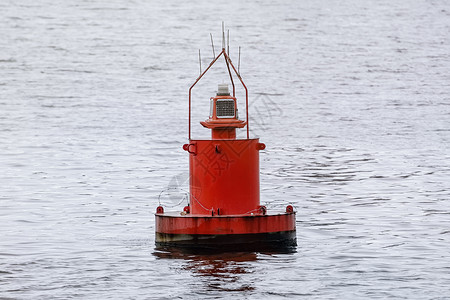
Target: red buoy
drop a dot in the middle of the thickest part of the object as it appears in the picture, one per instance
(224, 210)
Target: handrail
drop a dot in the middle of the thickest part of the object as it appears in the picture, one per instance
(228, 63)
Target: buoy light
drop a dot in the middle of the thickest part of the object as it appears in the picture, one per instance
(223, 117)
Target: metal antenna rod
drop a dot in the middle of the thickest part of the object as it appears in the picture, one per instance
(223, 35)
(228, 42)
(212, 45)
(200, 61)
(239, 62)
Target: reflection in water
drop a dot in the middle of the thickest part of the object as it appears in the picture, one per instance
(220, 271)
(223, 271)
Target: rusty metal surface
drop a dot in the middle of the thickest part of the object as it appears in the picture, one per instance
(189, 224)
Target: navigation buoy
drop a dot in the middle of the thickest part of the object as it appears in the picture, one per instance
(224, 210)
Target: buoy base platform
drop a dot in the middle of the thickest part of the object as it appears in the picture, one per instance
(268, 232)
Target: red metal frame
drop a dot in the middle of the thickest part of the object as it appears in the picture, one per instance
(229, 63)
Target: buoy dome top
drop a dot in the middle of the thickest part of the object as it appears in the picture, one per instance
(222, 90)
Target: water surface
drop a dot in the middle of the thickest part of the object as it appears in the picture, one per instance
(351, 99)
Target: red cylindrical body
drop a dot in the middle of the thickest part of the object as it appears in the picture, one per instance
(228, 133)
(224, 176)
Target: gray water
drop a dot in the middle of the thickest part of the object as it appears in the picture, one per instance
(350, 97)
